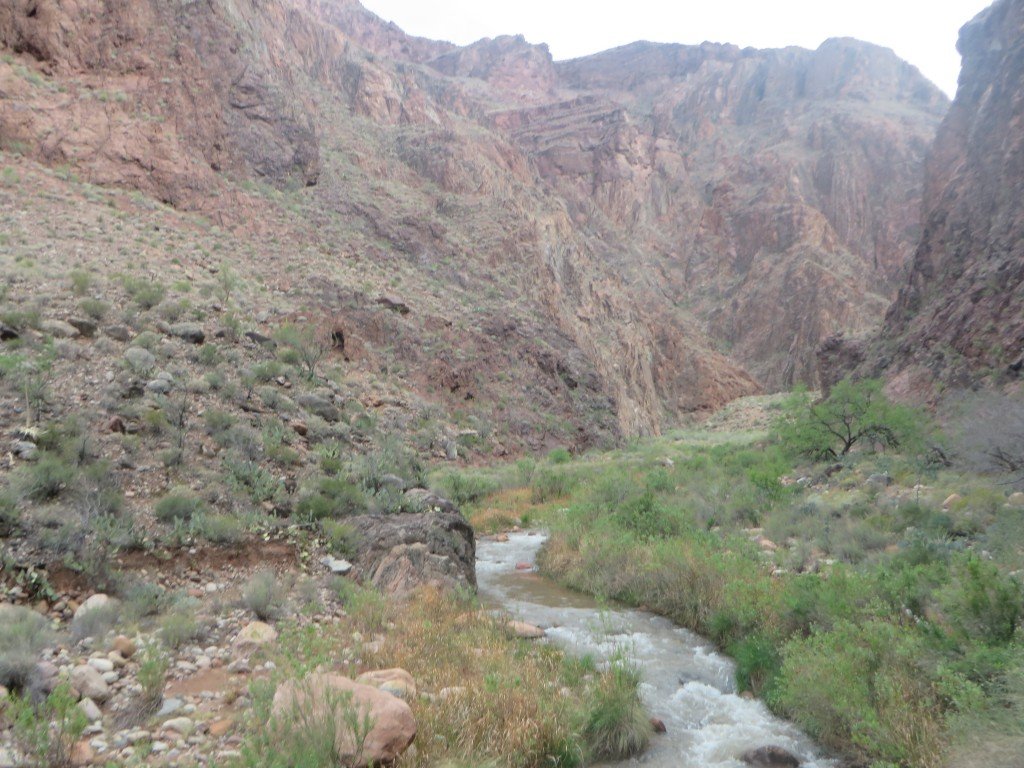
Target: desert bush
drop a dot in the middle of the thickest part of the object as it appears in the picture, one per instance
(10, 517)
(142, 598)
(153, 666)
(559, 456)
(23, 634)
(463, 488)
(247, 476)
(46, 478)
(46, 733)
(375, 470)
(96, 623)
(178, 505)
(550, 484)
(218, 528)
(97, 309)
(146, 293)
(342, 538)
(332, 497)
(180, 627)
(305, 345)
(265, 596)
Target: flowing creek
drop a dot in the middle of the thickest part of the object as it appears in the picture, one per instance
(686, 683)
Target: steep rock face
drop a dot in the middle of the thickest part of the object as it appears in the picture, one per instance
(774, 194)
(668, 227)
(163, 96)
(959, 316)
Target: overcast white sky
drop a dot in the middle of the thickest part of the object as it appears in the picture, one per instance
(923, 32)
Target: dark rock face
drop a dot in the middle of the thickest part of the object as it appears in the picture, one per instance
(959, 315)
(398, 553)
(838, 357)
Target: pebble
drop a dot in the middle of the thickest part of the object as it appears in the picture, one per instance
(169, 707)
(182, 725)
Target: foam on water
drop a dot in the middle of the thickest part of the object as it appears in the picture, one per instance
(686, 683)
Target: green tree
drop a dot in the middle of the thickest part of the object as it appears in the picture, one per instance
(854, 413)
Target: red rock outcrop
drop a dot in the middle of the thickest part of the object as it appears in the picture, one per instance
(674, 226)
(960, 315)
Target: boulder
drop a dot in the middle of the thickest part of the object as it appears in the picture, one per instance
(8, 334)
(255, 633)
(952, 499)
(83, 325)
(425, 501)
(118, 332)
(89, 683)
(1016, 499)
(393, 729)
(99, 600)
(190, 332)
(59, 329)
(770, 757)
(394, 303)
(395, 681)
(259, 338)
(879, 480)
(398, 553)
(180, 725)
(336, 565)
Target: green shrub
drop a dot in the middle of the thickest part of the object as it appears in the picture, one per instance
(464, 489)
(333, 497)
(757, 664)
(153, 666)
(646, 518)
(46, 733)
(550, 484)
(342, 538)
(250, 478)
(80, 281)
(264, 595)
(179, 627)
(143, 598)
(985, 605)
(146, 293)
(97, 309)
(219, 529)
(178, 506)
(10, 517)
(23, 634)
(46, 478)
(303, 345)
(560, 456)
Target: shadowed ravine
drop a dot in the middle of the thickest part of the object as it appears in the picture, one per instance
(686, 684)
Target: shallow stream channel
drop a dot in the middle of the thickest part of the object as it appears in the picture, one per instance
(686, 684)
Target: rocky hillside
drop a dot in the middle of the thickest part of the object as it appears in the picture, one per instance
(660, 228)
(958, 318)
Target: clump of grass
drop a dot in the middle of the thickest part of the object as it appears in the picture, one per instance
(218, 528)
(265, 596)
(146, 293)
(23, 634)
(97, 309)
(342, 538)
(617, 725)
(10, 517)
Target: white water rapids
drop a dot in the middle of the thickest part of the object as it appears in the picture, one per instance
(685, 682)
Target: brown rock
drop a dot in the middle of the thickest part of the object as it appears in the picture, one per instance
(82, 753)
(300, 428)
(394, 726)
(124, 646)
(524, 566)
(395, 681)
(658, 725)
(220, 728)
(525, 631)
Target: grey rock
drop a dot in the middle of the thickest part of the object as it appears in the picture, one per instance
(99, 600)
(880, 480)
(260, 339)
(190, 332)
(90, 710)
(25, 450)
(83, 325)
(170, 707)
(770, 757)
(118, 332)
(59, 329)
(336, 565)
